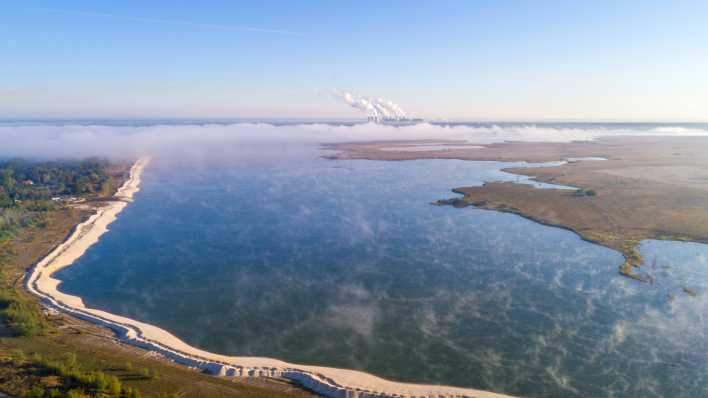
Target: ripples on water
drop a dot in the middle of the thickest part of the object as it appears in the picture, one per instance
(345, 263)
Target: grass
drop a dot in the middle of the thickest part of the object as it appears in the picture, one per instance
(19, 313)
(65, 377)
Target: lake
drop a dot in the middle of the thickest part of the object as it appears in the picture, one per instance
(346, 264)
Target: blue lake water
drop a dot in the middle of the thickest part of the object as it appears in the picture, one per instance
(345, 263)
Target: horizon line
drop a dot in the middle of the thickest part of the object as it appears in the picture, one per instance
(339, 119)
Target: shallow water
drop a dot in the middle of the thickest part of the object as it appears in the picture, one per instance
(345, 263)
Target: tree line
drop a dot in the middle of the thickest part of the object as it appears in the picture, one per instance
(22, 179)
(27, 188)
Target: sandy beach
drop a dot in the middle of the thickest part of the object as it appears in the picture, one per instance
(331, 382)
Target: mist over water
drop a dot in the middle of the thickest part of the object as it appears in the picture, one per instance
(272, 251)
(127, 139)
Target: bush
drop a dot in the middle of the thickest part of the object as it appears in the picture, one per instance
(114, 385)
(132, 393)
(67, 375)
(35, 392)
(18, 356)
(14, 218)
(70, 360)
(21, 315)
(98, 380)
(52, 393)
(75, 393)
(584, 192)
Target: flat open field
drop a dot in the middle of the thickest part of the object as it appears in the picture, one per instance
(649, 187)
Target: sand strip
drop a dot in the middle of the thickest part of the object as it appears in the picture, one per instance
(330, 382)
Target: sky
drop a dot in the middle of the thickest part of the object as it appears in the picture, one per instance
(464, 60)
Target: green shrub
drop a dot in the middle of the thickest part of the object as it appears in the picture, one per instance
(70, 377)
(98, 381)
(70, 360)
(52, 393)
(145, 372)
(75, 393)
(21, 315)
(35, 392)
(132, 393)
(18, 356)
(114, 385)
(584, 192)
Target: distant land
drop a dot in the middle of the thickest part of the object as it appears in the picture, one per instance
(646, 188)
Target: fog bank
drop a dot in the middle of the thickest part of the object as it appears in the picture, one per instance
(75, 140)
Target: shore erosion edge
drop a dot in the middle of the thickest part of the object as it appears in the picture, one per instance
(330, 382)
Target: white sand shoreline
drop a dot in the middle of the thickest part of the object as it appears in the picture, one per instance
(331, 382)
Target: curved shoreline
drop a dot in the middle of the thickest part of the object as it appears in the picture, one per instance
(330, 382)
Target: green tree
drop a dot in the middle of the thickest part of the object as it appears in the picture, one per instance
(114, 386)
(5, 199)
(8, 182)
(106, 187)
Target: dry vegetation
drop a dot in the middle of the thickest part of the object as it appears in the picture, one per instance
(649, 188)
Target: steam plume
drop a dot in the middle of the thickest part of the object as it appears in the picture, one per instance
(377, 109)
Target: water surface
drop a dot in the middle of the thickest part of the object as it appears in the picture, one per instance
(345, 263)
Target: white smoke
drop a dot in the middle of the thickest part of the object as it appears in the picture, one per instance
(377, 109)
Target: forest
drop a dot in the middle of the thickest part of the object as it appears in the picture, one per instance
(29, 188)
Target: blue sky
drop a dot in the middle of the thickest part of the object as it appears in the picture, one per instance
(477, 60)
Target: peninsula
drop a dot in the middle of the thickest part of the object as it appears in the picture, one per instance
(647, 187)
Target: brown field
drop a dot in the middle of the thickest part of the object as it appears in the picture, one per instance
(648, 188)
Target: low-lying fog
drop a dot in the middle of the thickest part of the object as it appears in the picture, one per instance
(52, 140)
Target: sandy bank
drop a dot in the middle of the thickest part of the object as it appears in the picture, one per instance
(330, 382)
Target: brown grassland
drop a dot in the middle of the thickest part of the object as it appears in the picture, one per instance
(648, 188)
